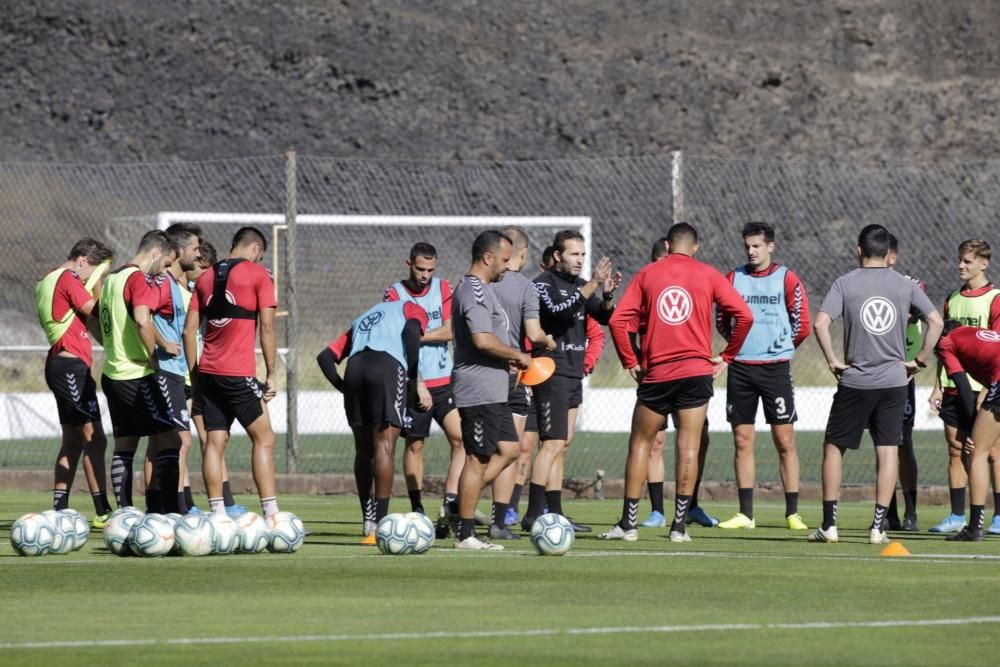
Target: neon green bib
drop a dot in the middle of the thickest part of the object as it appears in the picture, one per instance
(45, 292)
(126, 355)
(971, 311)
(914, 340)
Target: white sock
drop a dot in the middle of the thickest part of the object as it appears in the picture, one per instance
(269, 506)
(218, 505)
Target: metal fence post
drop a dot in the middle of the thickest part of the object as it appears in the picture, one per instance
(677, 185)
(292, 323)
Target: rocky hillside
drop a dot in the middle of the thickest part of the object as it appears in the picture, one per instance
(899, 80)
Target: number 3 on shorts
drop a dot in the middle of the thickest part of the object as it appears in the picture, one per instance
(779, 406)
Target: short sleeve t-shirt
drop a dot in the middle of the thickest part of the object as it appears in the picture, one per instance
(875, 304)
(518, 298)
(70, 294)
(229, 343)
(973, 351)
(477, 378)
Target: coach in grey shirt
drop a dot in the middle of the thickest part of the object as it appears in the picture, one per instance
(479, 379)
(874, 302)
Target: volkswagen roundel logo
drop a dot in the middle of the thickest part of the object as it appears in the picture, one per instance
(371, 320)
(878, 315)
(674, 305)
(988, 335)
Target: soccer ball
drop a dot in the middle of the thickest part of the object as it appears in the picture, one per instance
(63, 532)
(194, 534)
(396, 535)
(173, 518)
(117, 527)
(81, 529)
(254, 535)
(425, 531)
(287, 532)
(552, 535)
(227, 535)
(152, 535)
(31, 535)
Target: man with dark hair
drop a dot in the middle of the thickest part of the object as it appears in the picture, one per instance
(675, 368)
(565, 301)
(480, 379)
(382, 348)
(138, 397)
(433, 295)
(64, 304)
(975, 304)
(762, 371)
(231, 296)
(871, 393)
(964, 351)
(660, 249)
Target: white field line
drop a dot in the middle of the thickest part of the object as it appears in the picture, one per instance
(503, 634)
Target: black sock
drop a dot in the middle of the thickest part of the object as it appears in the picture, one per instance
(957, 501)
(536, 500)
(101, 505)
(168, 477)
(630, 514)
(188, 497)
(227, 495)
(466, 528)
(182, 506)
(791, 503)
(694, 494)
(515, 498)
(977, 517)
(451, 503)
(829, 514)
(681, 506)
(909, 502)
(554, 501)
(656, 495)
(893, 510)
(60, 499)
(416, 505)
(996, 504)
(381, 508)
(367, 508)
(880, 511)
(121, 477)
(499, 514)
(746, 501)
(154, 504)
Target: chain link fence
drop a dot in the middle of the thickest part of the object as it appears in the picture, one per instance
(352, 223)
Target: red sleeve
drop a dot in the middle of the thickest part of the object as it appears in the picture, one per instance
(202, 286)
(390, 295)
(445, 300)
(626, 319)
(729, 301)
(722, 323)
(266, 297)
(412, 311)
(995, 314)
(946, 348)
(138, 292)
(797, 303)
(595, 345)
(76, 294)
(944, 310)
(340, 346)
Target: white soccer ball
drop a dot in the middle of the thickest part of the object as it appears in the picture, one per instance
(63, 532)
(152, 535)
(173, 518)
(552, 535)
(396, 535)
(117, 527)
(254, 533)
(425, 531)
(287, 532)
(81, 529)
(31, 535)
(227, 535)
(194, 534)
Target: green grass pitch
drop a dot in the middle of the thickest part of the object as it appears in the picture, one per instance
(727, 598)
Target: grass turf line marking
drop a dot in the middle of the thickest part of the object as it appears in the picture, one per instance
(505, 634)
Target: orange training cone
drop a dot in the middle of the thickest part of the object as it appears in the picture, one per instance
(539, 371)
(895, 549)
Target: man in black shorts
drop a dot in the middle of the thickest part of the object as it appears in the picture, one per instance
(382, 349)
(871, 393)
(481, 380)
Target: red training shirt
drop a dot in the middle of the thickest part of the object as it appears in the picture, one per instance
(974, 351)
(595, 345)
(70, 294)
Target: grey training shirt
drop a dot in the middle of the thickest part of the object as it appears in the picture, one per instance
(477, 378)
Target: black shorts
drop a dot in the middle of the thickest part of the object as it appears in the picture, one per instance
(418, 424)
(374, 389)
(140, 407)
(75, 390)
(225, 398)
(749, 384)
(992, 400)
(878, 410)
(554, 398)
(178, 400)
(187, 392)
(531, 423)
(483, 426)
(953, 412)
(518, 398)
(910, 411)
(665, 397)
